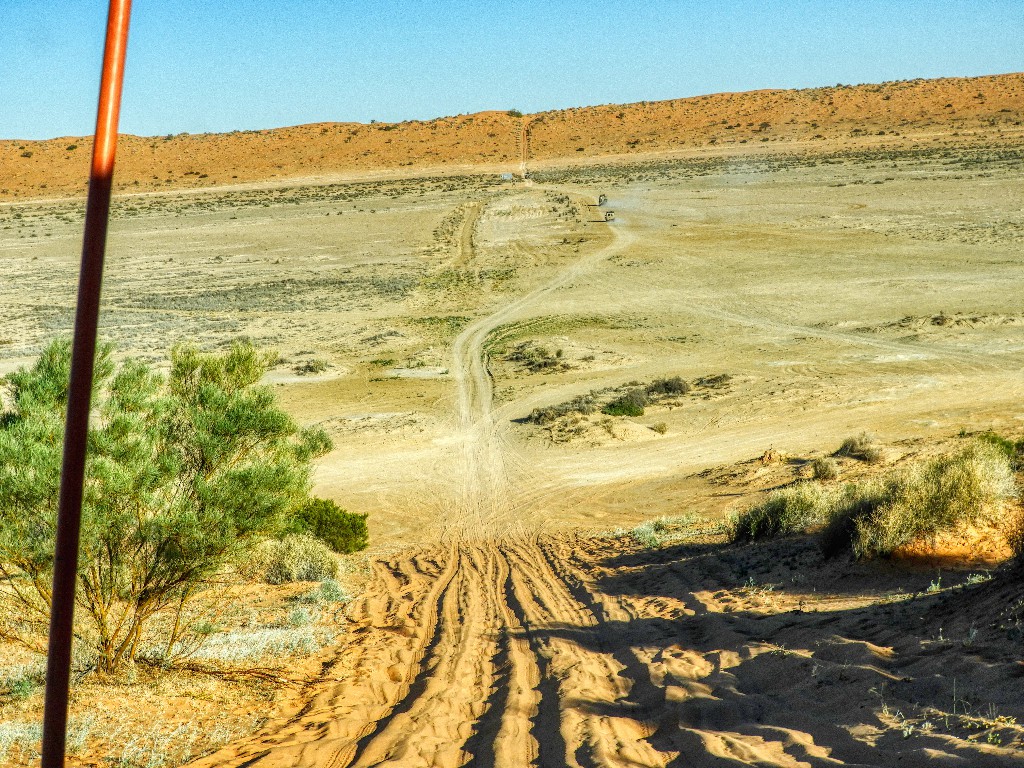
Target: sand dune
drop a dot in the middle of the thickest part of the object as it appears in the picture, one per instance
(897, 114)
(808, 288)
(578, 652)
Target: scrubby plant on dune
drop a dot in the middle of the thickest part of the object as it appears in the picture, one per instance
(824, 468)
(296, 557)
(1012, 449)
(876, 517)
(343, 531)
(632, 403)
(968, 487)
(792, 509)
(861, 447)
(186, 473)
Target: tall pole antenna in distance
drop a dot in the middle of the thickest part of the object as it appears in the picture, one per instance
(83, 355)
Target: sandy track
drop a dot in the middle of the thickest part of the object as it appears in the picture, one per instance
(504, 649)
(453, 661)
(555, 652)
(485, 503)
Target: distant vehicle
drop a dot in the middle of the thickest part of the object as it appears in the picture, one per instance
(602, 199)
(609, 215)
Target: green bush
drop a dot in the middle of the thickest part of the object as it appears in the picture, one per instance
(185, 474)
(792, 509)
(630, 404)
(342, 531)
(296, 557)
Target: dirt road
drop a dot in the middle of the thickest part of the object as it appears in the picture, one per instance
(487, 503)
(561, 652)
(503, 647)
(452, 657)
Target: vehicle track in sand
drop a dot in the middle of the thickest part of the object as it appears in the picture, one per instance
(504, 649)
(486, 498)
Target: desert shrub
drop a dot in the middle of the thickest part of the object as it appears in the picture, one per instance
(649, 534)
(629, 404)
(661, 427)
(853, 502)
(342, 531)
(260, 643)
(670, 386)
(185, 474)
(310, 366)
(661, 530)
(535, 358)
(964, 488)
(22, 680)
(876, 517)
(861, 447)
(1013, 531)
(328, 591)
(714, 382)
(1011, 449)
(581, 404)
(824, 468)
(21, 741)
(296, 557)
(792, 509)
(514, 113)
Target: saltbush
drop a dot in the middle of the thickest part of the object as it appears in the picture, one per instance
(792, 509)
(296, 557)
(341, 530)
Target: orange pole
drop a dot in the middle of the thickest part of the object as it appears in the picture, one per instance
(83, 355)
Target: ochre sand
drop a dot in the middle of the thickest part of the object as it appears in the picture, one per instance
(853, 287)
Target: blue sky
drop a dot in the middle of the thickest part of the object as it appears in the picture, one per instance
(220, 65)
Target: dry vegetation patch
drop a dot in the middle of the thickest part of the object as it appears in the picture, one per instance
(882, 515)
(597, 411)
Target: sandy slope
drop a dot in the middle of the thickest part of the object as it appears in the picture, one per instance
(898, 114)
(507, 648)
(868, 291)
(562, 652)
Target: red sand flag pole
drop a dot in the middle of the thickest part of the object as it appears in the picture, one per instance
(69, 514)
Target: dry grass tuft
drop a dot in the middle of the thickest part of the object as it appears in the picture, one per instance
(862, 447)
(788, 510)
(874, 518)
(824, 468)
(296, 557)
(969, 487)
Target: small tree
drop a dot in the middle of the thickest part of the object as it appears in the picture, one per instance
(184, 474)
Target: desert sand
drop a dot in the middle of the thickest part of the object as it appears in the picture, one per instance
(808, 289)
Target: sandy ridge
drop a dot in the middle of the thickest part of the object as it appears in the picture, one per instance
(818, 120)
